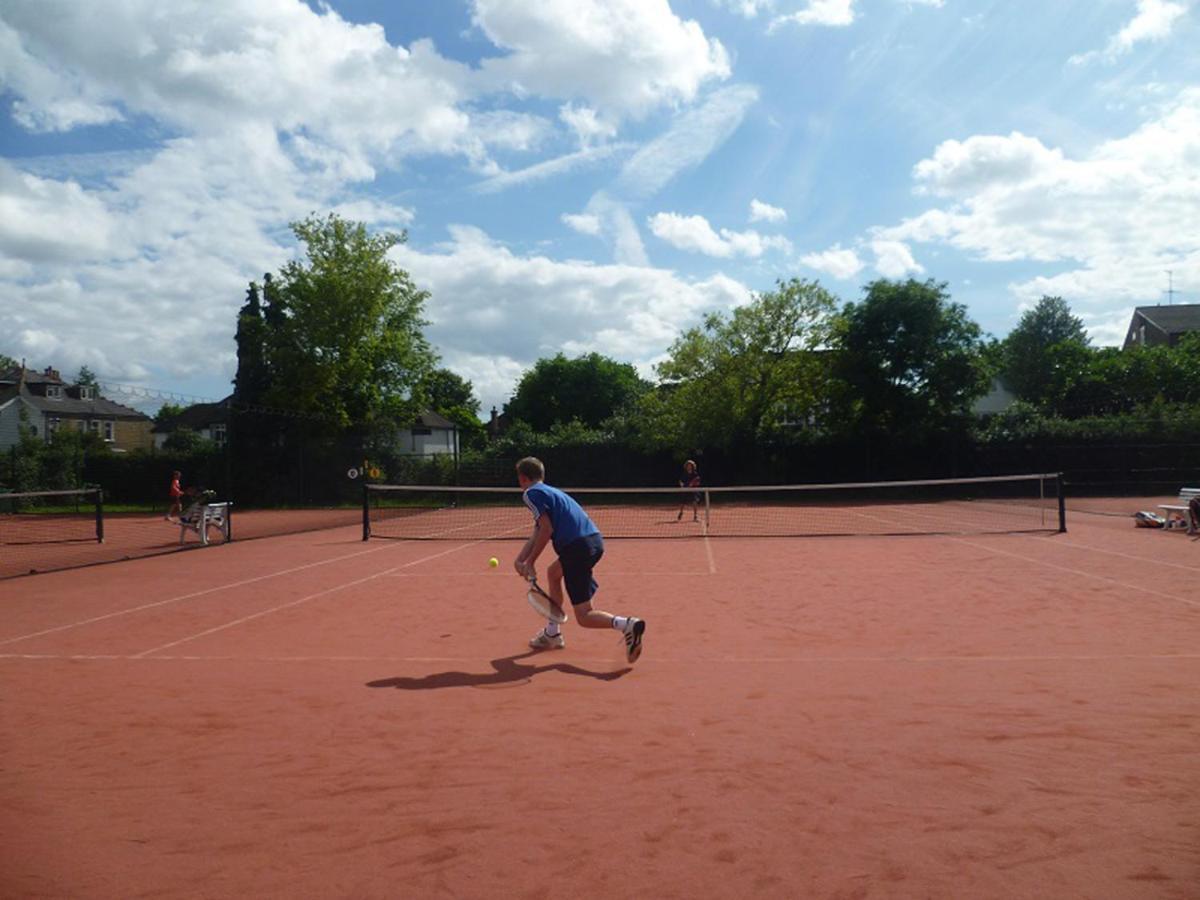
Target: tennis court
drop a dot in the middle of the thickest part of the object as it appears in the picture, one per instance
(312, 715)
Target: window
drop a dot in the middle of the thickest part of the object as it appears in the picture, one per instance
(87, 393)
(94, 426)
(108, 432)
(54, 391)
(422, 431)
(218, 435)
(52, 425)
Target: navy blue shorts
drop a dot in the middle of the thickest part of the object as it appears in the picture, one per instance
(578, 559)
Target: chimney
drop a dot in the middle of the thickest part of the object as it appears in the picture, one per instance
(52, 372)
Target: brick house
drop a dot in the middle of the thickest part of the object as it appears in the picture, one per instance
(46, 403)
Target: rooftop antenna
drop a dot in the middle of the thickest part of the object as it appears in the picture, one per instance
(1170, 288)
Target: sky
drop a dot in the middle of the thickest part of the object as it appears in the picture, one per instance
(583, 175)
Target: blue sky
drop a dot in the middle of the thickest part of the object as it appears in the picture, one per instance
(584, 175)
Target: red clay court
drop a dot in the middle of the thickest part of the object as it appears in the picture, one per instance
(1005, 715)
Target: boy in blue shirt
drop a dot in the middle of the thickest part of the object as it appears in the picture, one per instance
(559, 519)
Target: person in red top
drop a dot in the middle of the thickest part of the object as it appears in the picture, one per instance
(176, 493)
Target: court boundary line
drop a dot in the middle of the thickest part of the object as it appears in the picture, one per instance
(1092, 575)
(730, 660)
(1107, 552)
(290, 604)
(177, 599)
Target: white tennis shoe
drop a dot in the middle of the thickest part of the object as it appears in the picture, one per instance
(543, 641)
(633, 631)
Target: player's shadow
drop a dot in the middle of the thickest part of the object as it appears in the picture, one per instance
(508, 671)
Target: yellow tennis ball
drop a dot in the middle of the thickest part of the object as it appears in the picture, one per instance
(493, 562)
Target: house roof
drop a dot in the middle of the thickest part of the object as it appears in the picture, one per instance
(429, 419)
(70, 406)
(12, 376)
(1172, 319)
(197, 417)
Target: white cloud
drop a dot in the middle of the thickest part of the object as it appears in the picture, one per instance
(1113, 219)
(584, 223)
(764, 212)
(501, 312)
(1153, 22)
(623, 57)
(893, 259)
(586, 123)
(553, 168)
(695, 234)
(747, 8)
(836, 261)
(690, 140)
(43, 220)
(837, 13)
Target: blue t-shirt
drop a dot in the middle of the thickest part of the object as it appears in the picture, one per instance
(568, 518)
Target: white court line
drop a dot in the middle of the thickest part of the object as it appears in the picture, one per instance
(1059, 542)
(681, 661)
(1084, 573)
(267, 612)
(194, 594)
(712, 563)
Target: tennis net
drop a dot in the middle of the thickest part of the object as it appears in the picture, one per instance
(51, 517)
(996, 505)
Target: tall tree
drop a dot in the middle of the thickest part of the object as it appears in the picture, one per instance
(589, 389)
(742, 377)
(8, 364)
(252, 380)
(86, 377)
(345, 338)
(1033, 360)
(446, 390)
(908, 360)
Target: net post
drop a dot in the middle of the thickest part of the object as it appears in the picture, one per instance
(707, 507)
(366, 513)
(1062, 504)
(99, 515)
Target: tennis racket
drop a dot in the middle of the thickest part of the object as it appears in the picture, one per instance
(542, 604)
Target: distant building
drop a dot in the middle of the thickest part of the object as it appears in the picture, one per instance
(430, 435)
(50, 404)
(1154, 326)
(998, 398)
(208, 420)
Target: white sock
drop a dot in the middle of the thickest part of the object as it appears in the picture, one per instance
(619, 622)
(551, 628)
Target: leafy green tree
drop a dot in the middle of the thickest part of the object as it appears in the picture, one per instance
(447, 390)
(589, 389)
(168, 411)
(908, 361)
(453, 396)
(345, 341)
(8, 364)
(185, 440)
(1033, 366)
(742, 377)
(86, 377)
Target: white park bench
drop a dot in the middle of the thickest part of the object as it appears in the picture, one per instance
(1178, 512)
(202, 516)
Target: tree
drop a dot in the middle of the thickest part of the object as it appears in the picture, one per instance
(740, 378)
(8, 364)
(453, 396)
(908, 360)
(344, 339)
(589, 389)
(446, 390)
(168, 411)
(1031, 365)
(86, 377)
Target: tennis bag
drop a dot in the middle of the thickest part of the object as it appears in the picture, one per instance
(1145, 519)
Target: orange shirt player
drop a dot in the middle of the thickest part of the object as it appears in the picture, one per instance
(176, 493)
